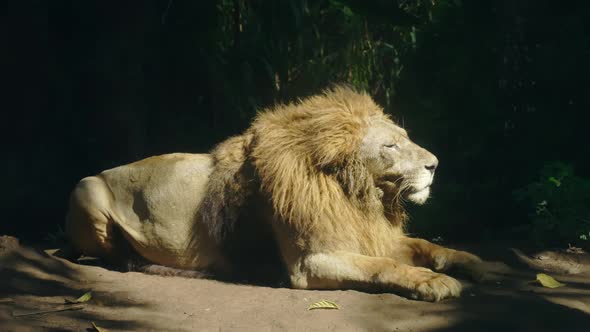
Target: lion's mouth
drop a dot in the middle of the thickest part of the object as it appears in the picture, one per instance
(391, 184)
(391, 187)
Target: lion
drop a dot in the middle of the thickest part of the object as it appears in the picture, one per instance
(320, 184)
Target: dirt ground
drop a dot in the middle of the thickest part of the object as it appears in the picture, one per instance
(32, 280)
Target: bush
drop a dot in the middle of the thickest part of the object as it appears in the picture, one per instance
(558, 205)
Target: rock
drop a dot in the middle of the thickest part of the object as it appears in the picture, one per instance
(557, 261)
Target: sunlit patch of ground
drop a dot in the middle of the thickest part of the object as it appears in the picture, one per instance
(31, 280)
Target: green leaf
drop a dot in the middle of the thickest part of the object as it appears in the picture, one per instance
(323, 304)
(84, 298)
(548, 281)
(555, 181)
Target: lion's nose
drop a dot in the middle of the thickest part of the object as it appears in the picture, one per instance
(432, 166)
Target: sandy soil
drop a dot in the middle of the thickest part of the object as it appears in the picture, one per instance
(33, 280)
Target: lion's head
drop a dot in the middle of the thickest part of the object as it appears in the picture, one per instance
(399, 166)
(334, 156)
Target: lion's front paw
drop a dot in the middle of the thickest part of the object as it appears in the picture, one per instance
(432, 286)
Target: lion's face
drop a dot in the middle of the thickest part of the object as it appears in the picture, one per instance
(398, 165)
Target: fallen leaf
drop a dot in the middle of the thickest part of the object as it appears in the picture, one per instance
(84, 298)
(51, 252)
(323, 304)
(548, 281)
(98, 329)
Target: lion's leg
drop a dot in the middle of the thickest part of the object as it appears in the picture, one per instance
(87, 225)
(91, 229)
(339, 270)
(423, 253)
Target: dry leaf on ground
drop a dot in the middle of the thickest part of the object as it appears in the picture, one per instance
(323, 304)
(97, 328)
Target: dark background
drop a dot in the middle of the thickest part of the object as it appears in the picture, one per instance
(498, 90)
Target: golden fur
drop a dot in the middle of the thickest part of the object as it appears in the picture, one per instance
(323, 179)
(304, 155)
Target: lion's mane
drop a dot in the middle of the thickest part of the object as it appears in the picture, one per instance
(303, 157)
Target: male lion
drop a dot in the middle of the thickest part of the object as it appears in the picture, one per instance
(323, 179)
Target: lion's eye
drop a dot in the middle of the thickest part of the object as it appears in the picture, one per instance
(392, 146)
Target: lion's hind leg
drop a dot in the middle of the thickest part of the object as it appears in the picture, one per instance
(339, 270)
(88, 225)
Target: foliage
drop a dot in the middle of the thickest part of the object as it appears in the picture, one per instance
(291, 48)
(493, 88)
(559, 206)
(495, 97)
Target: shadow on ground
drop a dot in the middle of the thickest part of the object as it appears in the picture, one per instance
(31, 280)
(34, 280)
